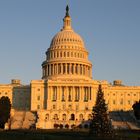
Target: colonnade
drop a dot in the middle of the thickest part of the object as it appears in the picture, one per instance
(70, 93)
(67, 68)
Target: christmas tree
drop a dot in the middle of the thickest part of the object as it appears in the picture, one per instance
(101, 123)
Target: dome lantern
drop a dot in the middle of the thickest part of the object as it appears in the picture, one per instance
(67, 20)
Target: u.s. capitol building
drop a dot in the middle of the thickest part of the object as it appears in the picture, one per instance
(66, 93)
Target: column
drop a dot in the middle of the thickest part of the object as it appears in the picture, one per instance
(88, 93)
(81, 93)
(53, 69)
(66, 68)
(70, 68)
(57, 93)
(60, 93)
(86, 71)
(46, 70)
(73, 94)
(66, 94)
(78, 69)
(56, 68)
(82, 69)
(50, 69)
(74, 68)
(61, 68)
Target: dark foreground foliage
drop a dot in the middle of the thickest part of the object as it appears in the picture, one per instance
(136, 108)
(5, 107)
(64, 135)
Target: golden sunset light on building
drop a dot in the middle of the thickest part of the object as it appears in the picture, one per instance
(67, 91)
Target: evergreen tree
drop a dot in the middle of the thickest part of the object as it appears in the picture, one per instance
(101, 123)
(136, 108)
(5, 107)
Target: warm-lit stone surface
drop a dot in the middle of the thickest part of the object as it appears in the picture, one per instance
(67, 91)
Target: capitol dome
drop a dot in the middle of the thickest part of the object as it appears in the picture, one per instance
(67, 36)
(67, 57)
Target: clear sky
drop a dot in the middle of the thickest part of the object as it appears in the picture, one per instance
(110, 29)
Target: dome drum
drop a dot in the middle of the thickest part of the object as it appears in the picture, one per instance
(51, 70)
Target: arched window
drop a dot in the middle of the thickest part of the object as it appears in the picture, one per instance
(46, 117)
(72, 117)
(64, 117)
(89, 117)
(81, 117)
(55, 117)
(70, 107)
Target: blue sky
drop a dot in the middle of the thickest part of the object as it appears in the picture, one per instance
(110, 29)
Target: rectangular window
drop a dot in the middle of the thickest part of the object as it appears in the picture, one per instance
(38, 98)
(77, 94)
(85, 94)
(114, 102)
(54, 106)
(90, 94)
(77, 107)
(38, 106)
(69, 95)
(63, 94)
(121, 102)
(54, 93)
